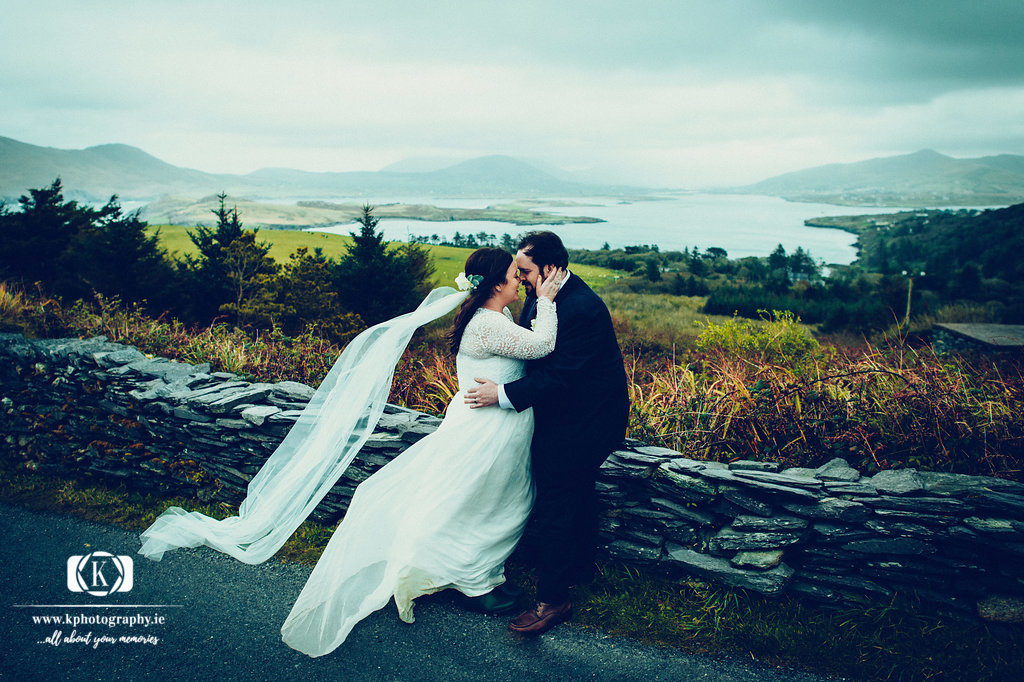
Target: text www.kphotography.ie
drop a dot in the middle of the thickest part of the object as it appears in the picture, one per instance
(98, 574)
(95, 640)
(98, 619)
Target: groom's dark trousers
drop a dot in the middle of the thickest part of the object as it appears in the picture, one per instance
(581, 411)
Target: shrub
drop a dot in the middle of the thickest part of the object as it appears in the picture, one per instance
(779, 338)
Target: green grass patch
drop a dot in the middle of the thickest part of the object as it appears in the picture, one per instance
(659, 320)
(901, 640)
(133, 510)
(449, 261)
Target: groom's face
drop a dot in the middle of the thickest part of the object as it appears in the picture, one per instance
(529, 273)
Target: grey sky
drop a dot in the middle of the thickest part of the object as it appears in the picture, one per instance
(667, 93)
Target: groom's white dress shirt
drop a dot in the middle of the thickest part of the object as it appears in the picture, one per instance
(503, 400)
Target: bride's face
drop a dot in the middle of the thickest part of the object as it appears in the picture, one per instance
(508, 291)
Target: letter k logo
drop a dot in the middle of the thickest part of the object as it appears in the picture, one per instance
(97, 572)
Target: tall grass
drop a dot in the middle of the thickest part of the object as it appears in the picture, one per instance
(656, 321)
(737, 390)
(768, 395)
(269, 356)
(13, 305)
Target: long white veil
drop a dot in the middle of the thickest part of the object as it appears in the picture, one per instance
(324, 440)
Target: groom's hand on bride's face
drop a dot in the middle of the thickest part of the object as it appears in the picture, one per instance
(484, 395)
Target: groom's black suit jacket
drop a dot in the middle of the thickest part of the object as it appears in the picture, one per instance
(578, 390)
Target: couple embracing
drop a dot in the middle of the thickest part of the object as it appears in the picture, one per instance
(540, 406)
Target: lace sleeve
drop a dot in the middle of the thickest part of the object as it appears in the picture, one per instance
(501, 336)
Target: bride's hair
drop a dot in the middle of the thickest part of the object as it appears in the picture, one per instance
(490, 263)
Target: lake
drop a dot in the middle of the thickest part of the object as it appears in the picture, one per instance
(742, 224)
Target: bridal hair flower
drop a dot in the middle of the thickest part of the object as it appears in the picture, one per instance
(470, 282)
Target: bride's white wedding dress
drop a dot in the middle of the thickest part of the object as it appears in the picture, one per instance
(446, 513)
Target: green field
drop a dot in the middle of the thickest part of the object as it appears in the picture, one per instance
(448, 260)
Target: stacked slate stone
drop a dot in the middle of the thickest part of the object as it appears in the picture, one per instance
(97, 409)
(94, 408)
(829, 533)
(945, 342)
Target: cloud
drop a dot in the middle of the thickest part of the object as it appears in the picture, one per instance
(661, 92)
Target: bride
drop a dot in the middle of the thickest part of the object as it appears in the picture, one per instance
(446, 513)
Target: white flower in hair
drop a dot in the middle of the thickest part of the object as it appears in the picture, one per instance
(471, 282)
(533, 324)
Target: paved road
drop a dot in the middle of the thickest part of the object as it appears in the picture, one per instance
(227, 625)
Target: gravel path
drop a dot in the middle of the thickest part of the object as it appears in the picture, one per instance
(226, 621)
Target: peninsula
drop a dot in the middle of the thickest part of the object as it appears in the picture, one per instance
(305, 214)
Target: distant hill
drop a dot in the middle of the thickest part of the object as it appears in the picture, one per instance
(421, 164)
(924, 178)
(426, 164)
(93, 173)
(97, 172)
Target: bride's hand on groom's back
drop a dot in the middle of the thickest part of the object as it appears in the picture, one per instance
(549, 285)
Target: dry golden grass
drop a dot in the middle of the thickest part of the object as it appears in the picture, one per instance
(739, 390)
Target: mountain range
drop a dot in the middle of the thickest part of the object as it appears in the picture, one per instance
(95, 173)
(924, 178)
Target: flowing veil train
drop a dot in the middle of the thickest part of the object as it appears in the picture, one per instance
(325, 439)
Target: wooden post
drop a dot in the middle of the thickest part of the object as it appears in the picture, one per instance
(910, 288)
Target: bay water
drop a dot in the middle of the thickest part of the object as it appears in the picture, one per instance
(742, 224)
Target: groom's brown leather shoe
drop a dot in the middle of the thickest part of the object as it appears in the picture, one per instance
(540, 618)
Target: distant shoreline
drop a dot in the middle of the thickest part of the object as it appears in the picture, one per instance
(923, 202)
(858, 224)
(512, 213)
(307, 214)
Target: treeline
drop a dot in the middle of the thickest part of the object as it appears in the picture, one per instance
(837, 304)
(75, 251)
(955, 266)
(936, 263)
(648, 261)
(917, 264)
(963, 256)
(747, 286)
(469, 240)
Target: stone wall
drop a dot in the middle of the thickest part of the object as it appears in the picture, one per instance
(89, 408)
(957, 337)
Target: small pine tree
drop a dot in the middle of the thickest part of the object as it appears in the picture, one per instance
(35, 242)
(420, 269)
(77, 250)
(115, 256)
(777, 259)
(250, 275)
(801, 263)
(308, 298)
(778, 271)
(377, 284)
(205, 275)
(678, 285)
(653, 270)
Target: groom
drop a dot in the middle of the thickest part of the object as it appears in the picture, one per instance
(581, 387)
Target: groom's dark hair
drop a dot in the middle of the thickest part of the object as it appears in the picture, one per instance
(545, 248)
